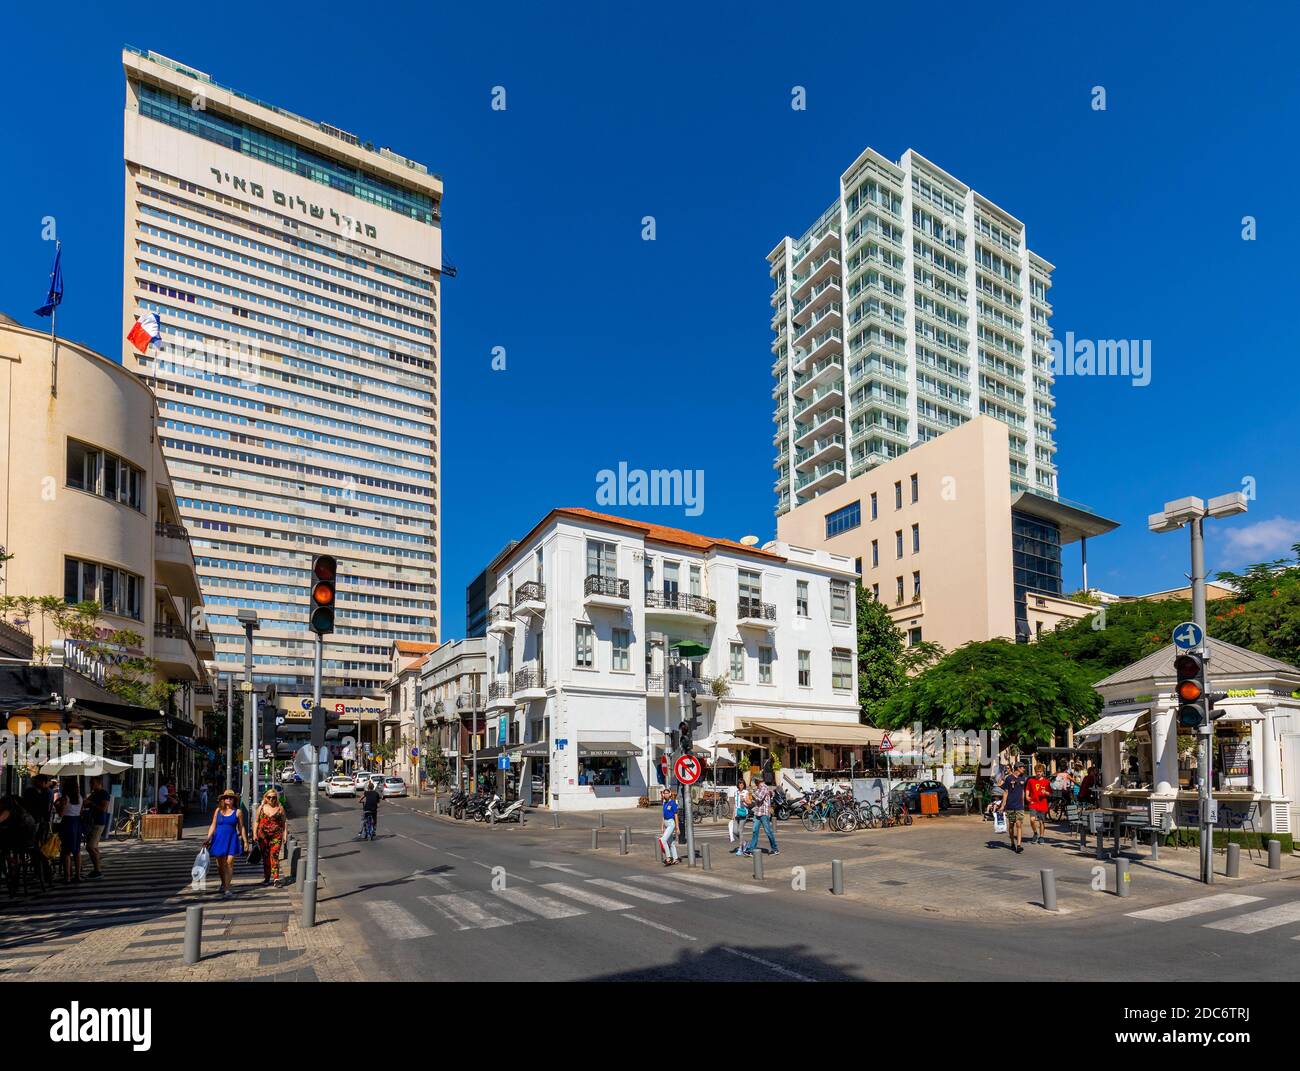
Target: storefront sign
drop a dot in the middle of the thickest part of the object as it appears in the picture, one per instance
(298, 707)
(1131, 701)
(1234, 757)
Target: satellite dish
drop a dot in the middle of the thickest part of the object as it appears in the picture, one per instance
(749, 540)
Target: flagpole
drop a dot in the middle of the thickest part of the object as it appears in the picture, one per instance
(54, 331)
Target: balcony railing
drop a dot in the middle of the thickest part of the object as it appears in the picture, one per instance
(171, 531)
(678, 676)
(533, 591)
(680, 600)
(605, 585)
(500, 689)
(499, 612)
(169, 631)
(756, 609)
(529, 678)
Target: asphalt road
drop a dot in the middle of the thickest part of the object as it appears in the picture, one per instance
(431, 900)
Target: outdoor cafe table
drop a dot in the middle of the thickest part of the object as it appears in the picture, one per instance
(1116, 816)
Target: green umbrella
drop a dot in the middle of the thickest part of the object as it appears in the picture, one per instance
(690, 649)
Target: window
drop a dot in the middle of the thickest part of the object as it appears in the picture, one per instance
(107, 475)
(857, 566)
(116, 591)
(597, 770)
(898, 494)
(841, 670)
(898, 543)
(898, 595)
(801, 598)
(601, 559)
(751, 594)
(697, 583)
(916, 488)
(913, 636)
(765, 665)
(840, 600)
(671, 570)
(916, 538)
(737, 661)
(875, 512)
(875, 592)
(875, 553)
(584, 655)
(844, 519)
(805, 669)
(622, 643)
(916, 585)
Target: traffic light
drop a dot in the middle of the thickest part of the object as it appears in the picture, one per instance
(266, 731)
(324, 570)
(324, 724)
(1189, 688)
(690, 726)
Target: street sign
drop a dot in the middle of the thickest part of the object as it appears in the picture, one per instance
(687, 769)
(415, 752)
(886, 744)
(503, 762)
(560, 745)
(1188, 636)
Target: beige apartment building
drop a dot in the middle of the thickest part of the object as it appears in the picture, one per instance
(941, 537)
(89, 508)
(295, 270)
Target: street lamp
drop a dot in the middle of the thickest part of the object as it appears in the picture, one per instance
(248, 618)
(1191, 513)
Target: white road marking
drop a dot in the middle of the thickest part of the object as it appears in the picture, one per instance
(543, 906)
(398, 923)
(716, 883)
(692, 890)
(659, 926)
(1259, 920)
(640, 894)
(586, 896)
(464, 914)
(437, 879)
(769, 965)
(563, 868)
(512, 877)
(1199, 906)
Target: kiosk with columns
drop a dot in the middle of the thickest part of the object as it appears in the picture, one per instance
(1256, 741)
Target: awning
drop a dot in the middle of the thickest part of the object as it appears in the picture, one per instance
(607, 749)
(689, 649)
(1112, 723)
(28, 687)
(1242, 713)
(818, 732)
(539, 749)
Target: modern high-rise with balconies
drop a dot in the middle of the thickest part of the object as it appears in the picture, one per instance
(910, 306)
(296, 271)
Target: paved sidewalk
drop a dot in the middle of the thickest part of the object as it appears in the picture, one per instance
(129, 925)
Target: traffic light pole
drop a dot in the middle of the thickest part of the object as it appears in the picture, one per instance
(686, 789)
(313, 804)
(1197, 527)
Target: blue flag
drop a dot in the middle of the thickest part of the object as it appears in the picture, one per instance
(55, 296)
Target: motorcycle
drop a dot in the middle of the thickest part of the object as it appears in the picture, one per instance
(496, 810)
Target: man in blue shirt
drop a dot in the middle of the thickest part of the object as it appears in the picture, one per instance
(1013, 804)
(668, 838)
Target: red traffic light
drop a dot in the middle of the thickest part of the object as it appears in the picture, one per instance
(322, 594)
(1189, 691)
(1187, 666)
(325, 567)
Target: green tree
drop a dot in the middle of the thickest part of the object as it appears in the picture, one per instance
(1025, 692)
(1265, 617)
(1117, 635)
(884, 660)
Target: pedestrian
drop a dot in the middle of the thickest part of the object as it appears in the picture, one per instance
(226, 838)
(769, 771)
(96, 819)
(741, 812)
(203, 796)
(1088, 790)
(761, 809)
(162, 798)
(1013, 805)
(268, 831)
(1038, 792)
(69, 810)
(38, 802)
(668, 838)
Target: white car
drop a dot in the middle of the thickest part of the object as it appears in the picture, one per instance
(393, 786)
(360, 782)
(339, 786)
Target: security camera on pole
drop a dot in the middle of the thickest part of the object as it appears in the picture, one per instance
(320, 610)
(1192, 687)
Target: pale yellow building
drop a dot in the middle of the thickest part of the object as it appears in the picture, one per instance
(941, 537)
(89, 512)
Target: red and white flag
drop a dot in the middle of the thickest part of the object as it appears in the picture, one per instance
(145, 330)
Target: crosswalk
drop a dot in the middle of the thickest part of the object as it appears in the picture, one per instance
(449, 909)
(1246, 918)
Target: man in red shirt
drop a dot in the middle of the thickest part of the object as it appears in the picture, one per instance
(1038, 791)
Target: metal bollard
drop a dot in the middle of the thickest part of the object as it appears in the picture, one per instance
(622, 842)
(1049, 889)
(837, 877)
(293, 863)
(1083, 838)
(595, 842)
(627, 830)
(555, 819)
(1100, 852)
(193, 934)
(1121, 876)
(708, 862)
(1232, 868)
(1155, 846)
(1275, 855)
(758, 865)
(602, 820)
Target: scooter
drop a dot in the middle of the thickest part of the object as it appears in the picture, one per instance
(495, 811)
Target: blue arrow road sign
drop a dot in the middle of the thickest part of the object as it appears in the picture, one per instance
(1188, 636)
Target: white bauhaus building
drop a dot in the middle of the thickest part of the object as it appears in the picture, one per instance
(594, 619)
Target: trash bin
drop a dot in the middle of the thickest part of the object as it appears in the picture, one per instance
(929, 803)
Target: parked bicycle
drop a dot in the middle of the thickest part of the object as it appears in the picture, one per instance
(129, 824)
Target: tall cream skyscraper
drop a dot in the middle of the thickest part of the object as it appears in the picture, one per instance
(912, 305)
(295, 270)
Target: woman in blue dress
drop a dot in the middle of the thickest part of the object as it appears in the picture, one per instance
(226, 838)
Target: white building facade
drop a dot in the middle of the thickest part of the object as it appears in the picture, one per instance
(911, 305)
(590, 612)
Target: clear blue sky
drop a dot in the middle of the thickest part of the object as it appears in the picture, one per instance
(657, 353)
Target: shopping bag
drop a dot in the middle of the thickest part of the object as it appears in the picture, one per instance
(999, 822)
(199, 870)
(255, 853)
(52, 847)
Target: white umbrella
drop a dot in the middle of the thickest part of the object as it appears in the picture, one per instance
(82, 763)
(735, 741)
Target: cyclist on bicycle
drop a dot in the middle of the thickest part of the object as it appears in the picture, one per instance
(370, 809)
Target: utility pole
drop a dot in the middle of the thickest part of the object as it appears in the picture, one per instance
(230, 730)
(248, 790)
(313, 799)
(1191, 512)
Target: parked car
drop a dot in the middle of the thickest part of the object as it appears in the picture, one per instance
(911, 792)
(339, 786)
(392, 786)
(360, 782)
(961, 788)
